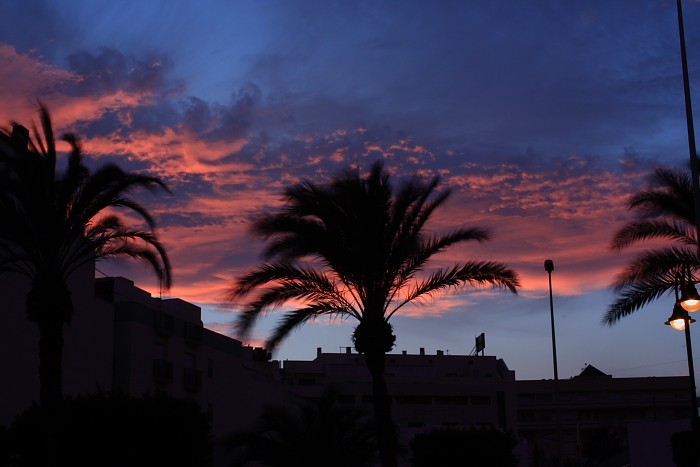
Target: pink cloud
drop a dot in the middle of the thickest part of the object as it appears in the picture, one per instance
(566, 211)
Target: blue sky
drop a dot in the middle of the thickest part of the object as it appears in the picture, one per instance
(543, 117)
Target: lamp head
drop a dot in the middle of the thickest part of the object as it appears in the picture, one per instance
(690, 299)
(548, 265)
(678, 317)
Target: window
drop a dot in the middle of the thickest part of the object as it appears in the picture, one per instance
(481, 400)
(210, 368)
(189, 360)
(160, 352)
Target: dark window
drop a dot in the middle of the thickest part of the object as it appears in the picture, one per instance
(481, 400)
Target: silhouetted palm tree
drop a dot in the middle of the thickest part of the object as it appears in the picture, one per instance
(664, 211)
(54, 223)
(312, 433)
(357, 248)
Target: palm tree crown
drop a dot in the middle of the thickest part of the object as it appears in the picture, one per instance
(357, 247)
(664, 211)
(54, 223)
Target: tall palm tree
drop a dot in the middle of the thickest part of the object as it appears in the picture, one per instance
(54, 223)
(357, 248)
(664, 211)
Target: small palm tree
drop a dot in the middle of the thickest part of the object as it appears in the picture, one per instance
(664, 211)
(357, 248)
(55, 223)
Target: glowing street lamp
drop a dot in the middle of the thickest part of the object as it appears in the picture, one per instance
(680, 320)
(690, 299)
(696, 203)
(678, 317)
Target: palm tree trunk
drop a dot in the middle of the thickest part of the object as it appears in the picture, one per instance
(49, 305)
(386, 433)
(50, 359)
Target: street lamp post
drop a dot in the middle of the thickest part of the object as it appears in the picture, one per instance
(549, 267)
(680, 320)
(696, 199)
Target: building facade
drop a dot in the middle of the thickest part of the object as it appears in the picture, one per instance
(162, 345)
(594, 417)
(123, 339)
(427, 391)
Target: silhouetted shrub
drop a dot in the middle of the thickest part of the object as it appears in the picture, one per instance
(310, 433)
(462, 448)
(686, 448)
(599, 445)
(3, 446)
(112, 430)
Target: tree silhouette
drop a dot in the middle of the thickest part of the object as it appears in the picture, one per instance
(358, 248)
(111, 430)
(312, 433)
(664, 211)
(54, 223)
(463, 448)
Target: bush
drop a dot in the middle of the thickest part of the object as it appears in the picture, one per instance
(461, 448)
(112, 430)
(685, 446)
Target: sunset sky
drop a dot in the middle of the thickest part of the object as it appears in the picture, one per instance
(543, 117)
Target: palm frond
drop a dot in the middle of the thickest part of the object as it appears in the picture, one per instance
(475, 274)
(670, 263)
(670, 195)
(638, 231)
(635, 296)
(294, 319)
(664, 211)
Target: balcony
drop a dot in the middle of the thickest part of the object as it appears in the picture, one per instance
(193, 334)
(162, 371)
(163, 323)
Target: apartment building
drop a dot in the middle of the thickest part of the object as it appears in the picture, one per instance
(595, 416)
(87, 352)
(598, 419)
(161, 345)
(427, 390)
(121, 338)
